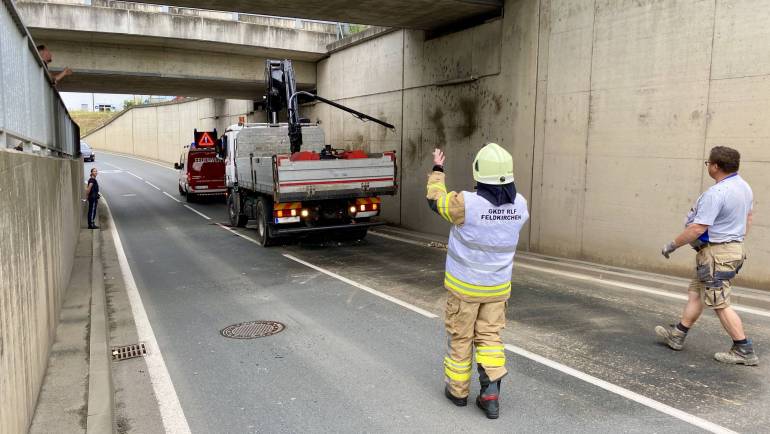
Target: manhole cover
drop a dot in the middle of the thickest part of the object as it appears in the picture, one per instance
(252, 329)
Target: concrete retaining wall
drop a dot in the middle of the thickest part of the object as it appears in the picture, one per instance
(609, 108)
(159, 131)
(38, 235)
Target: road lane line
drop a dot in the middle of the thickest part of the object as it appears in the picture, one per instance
(174, 420)
(113, 166)
(584, 277)
(152, 185)
(631, 286)
(633, 396)
(135, 176)
(245, 237)
(172, 197)
(139, 159)
(610, 387)
(403, 240)
(197, 212)
(399, 302)
(392, 299)
(618, 390)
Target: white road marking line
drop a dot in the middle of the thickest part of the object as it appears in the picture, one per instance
(135, 176)
(245, 237)
(128, 195)
(152, 185)
(137, 158)
(579, 276)
(631, 286)
(114, 166)
(633, 396)
(402, 303)
(172, 197)
(197, 212)
(403, 240)
(174, 420)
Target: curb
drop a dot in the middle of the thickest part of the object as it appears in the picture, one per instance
(677, 286)
(100, 393)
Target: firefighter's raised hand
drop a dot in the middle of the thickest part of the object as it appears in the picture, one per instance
(438, 157)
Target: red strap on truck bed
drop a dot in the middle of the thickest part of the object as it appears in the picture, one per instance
(352, 155)
(304, 156)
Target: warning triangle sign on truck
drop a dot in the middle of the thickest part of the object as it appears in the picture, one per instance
(205, 139)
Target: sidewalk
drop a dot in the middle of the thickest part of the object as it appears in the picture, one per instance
(76, 395)
(665, 285)
(85, 390)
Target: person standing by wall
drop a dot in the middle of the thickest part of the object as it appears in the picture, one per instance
(92, 194)
(479, 263)
(716, 227)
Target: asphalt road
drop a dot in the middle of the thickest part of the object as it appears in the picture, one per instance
(350, 361)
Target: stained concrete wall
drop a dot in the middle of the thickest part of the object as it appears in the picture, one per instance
(159, 131)
(608, 106)
(455, 92)
(38, 235)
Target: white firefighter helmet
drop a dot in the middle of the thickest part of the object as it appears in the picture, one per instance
(493, 165)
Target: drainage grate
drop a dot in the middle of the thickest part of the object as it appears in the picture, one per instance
(252, 329)
(128, 351)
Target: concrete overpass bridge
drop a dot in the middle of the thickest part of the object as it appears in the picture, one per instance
(149, 50)
(410, 14)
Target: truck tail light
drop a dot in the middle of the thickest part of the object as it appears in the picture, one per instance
(290, 209)
(369, 205)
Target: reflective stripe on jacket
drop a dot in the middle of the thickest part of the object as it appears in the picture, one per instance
(481, 250)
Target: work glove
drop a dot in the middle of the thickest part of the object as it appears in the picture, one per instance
(668, 249)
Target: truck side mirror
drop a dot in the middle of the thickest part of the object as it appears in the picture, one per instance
(176, 166)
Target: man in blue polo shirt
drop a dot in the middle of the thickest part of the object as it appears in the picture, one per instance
(715, 228)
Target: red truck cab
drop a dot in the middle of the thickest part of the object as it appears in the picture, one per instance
(201, 171)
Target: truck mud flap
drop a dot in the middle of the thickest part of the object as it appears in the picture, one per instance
(275, 232)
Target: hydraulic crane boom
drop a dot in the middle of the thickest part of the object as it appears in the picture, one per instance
(281, 94)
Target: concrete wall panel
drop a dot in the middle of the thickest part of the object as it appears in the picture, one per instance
(168, 134)
(739, 48)
(145, 131)
(38, 234)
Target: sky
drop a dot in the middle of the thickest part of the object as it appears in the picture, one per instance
(75, 100)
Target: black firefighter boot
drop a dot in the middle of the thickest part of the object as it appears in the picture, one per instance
(489, 395)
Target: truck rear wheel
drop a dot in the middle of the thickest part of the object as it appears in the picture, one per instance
(234, 213)
(264, 217)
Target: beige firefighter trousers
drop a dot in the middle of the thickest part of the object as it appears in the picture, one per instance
(469, 325)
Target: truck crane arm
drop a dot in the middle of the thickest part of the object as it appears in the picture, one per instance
(281, 93)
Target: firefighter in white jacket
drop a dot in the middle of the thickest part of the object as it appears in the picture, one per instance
(482, 243)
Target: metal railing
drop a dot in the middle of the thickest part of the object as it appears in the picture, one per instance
(32, 115)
